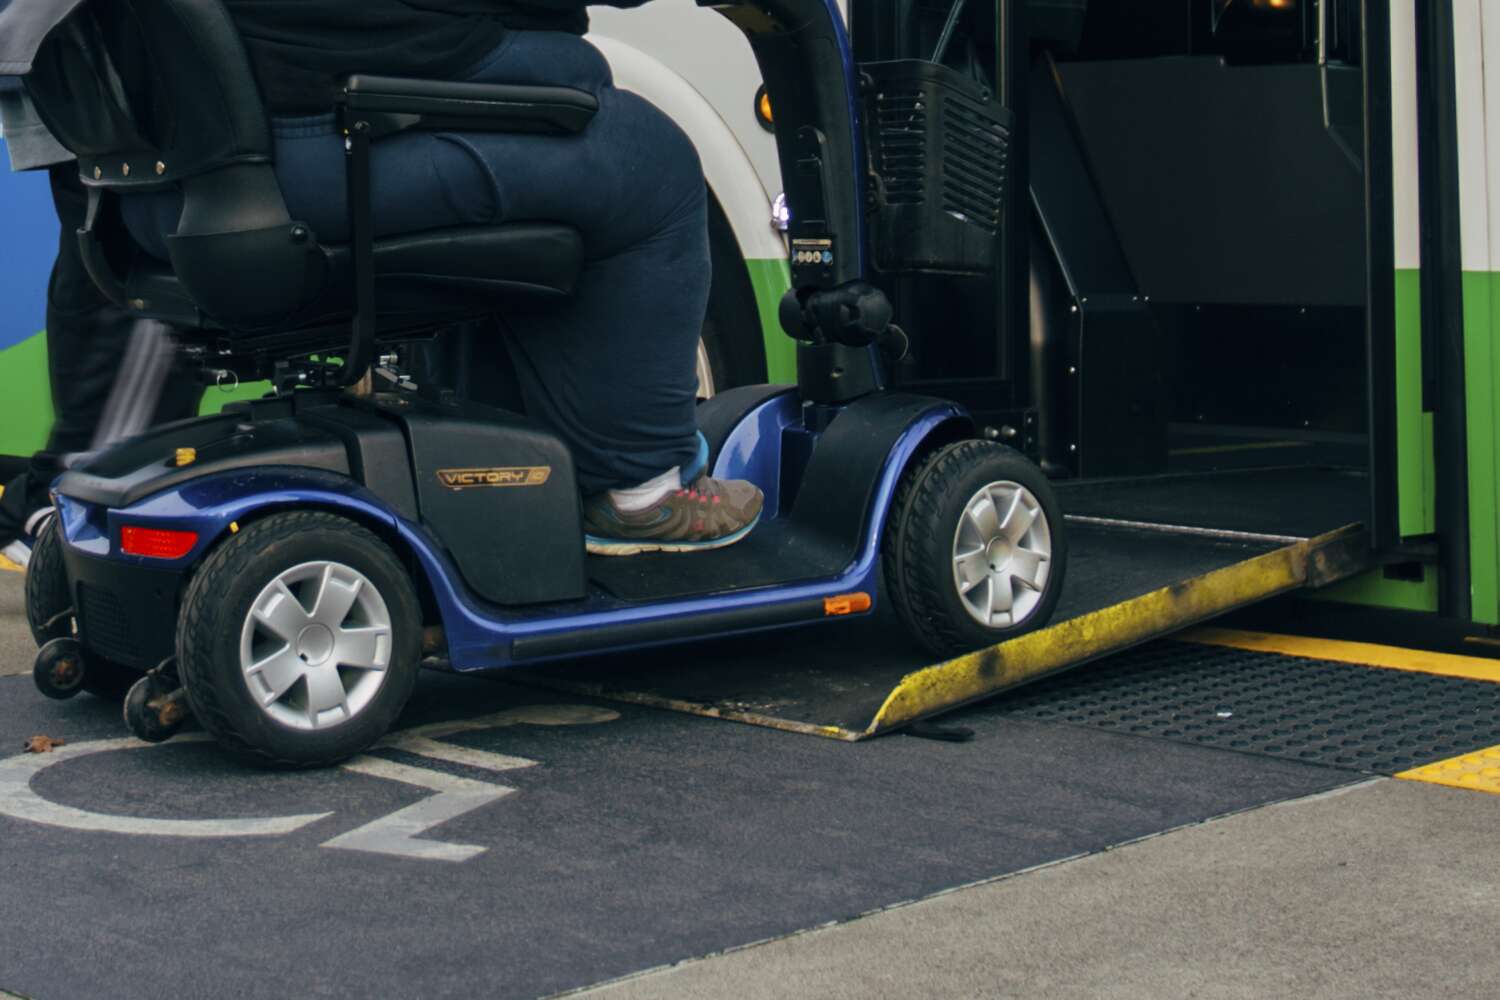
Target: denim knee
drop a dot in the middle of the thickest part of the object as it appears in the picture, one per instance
(544, 58)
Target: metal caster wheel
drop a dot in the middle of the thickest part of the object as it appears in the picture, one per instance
(60, 668)
(152, 712)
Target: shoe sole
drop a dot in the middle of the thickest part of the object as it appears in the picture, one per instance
(622, 547)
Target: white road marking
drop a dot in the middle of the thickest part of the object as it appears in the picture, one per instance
(395, 834)
(17, 800)
(422, 740)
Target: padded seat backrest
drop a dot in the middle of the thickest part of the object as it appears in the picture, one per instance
(152, 93)
(140, 82)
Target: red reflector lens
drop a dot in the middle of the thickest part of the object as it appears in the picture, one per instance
(156, 543)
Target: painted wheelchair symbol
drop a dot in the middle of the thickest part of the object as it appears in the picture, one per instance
(397, 834)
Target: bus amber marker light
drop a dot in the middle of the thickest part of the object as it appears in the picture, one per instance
(763, 113)
(156, 543)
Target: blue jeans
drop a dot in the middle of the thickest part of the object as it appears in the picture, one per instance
(613, 369)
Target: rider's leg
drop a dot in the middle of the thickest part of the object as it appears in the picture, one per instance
(612, 369)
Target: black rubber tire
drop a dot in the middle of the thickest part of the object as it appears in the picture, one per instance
(59, 669)
(214, 609)
(918, 544)
(47, 588)
(145, 722)
(47, 597)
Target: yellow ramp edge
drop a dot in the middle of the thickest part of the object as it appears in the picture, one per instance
(1365, 654)
(1478, 771)
(1077, 640)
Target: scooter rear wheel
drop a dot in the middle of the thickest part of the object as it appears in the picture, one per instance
(975, 548)
(299, 640)
(49, 613)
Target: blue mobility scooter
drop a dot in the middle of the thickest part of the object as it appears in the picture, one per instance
(281, 570)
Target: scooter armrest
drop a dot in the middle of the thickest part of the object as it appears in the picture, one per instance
(487, 107)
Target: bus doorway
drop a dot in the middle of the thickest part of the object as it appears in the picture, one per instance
(1224, 142)
(1160, 285)
(1177, 321)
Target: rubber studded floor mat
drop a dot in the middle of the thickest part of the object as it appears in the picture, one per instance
(1316, 711)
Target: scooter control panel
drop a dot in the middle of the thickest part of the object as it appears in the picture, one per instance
(813, 260)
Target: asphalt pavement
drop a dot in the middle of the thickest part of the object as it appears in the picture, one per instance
(513, 843)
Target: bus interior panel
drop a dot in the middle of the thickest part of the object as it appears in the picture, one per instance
(1195, 228)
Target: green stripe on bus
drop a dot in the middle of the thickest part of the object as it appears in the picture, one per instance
(26, 414)
(1414, 480)
(1374, 589)
(1482, 378)
(771, 279)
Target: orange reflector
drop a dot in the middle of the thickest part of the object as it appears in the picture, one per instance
(846, 604)
(763, 106)
(156, 543)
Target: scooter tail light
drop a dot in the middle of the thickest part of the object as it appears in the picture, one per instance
(156, 543)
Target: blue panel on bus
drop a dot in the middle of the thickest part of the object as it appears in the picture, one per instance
(28, 244)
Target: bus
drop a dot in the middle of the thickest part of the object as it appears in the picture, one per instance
(1292, 197)
(1232, 235)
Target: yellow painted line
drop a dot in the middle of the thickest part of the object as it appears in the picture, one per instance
(1364, 654)
(1221, 449)
(1478, 771)
(6, 566)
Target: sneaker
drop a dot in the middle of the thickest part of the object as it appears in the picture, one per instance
(710, 514)
(18, 552)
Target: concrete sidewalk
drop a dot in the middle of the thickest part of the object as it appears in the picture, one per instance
(1385, 889)
(16, 648)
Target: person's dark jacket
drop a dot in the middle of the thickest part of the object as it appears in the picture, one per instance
(302, 49)
(26, 139)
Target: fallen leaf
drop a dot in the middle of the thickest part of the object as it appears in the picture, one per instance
(42, 744)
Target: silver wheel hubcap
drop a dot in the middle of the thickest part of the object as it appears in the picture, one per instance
(315, 646)
(1002, 555)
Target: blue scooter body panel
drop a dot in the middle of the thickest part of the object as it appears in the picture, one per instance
(481, 636)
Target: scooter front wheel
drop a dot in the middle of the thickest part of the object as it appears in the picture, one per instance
(299, 640)
(975, 548)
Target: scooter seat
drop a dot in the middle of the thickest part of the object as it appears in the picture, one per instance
(439, 274)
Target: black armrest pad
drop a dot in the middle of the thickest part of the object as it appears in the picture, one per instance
(486, 107)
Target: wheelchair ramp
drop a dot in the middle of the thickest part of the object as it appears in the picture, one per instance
(1147, 558)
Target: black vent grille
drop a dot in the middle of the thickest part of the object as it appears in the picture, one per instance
(940, 149)
(975, 152)
(105, 626)
(901, 121)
